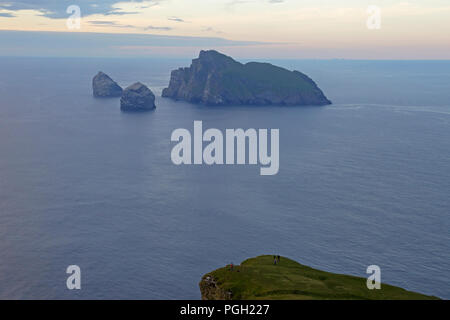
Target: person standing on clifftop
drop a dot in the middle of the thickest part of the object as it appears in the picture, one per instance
(278, 257)
(275, 260)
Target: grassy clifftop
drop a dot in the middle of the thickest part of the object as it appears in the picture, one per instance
(258, 278)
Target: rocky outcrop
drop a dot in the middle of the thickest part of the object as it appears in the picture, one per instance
(137, 97)
(216, 79)
(210, 290)
(104, 87)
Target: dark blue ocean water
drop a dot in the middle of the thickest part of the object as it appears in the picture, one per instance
(364, 181)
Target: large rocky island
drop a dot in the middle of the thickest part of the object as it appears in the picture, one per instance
(216, 79)
(260, 279)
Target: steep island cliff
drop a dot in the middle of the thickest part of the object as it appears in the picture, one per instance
(260, 279)
(216, 79)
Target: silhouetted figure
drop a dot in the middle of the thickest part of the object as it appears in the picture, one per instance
(278, 259)
(274, 260)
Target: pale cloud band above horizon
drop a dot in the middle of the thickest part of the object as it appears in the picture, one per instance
(291, 28)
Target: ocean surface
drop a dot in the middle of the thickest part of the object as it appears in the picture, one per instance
(364, 181)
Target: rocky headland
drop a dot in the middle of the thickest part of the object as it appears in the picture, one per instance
(280, 278)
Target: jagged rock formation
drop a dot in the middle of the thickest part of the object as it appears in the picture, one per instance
(210, 290)
(216, 79)
(104, 87)
(137, 97)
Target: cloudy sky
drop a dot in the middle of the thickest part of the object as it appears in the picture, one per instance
(247, 28)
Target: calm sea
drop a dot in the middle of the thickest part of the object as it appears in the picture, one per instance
(363, 181)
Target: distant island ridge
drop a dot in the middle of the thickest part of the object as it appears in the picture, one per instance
(216, 79)
(260, 279)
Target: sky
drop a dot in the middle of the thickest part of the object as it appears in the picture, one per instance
(313, 29)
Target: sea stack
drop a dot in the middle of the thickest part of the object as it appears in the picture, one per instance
(216, 79)
(137, 97)
(105, 87)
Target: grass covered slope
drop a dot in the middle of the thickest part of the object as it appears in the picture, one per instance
(258, 278)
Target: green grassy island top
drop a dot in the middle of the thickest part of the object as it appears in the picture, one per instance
(260, 279)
